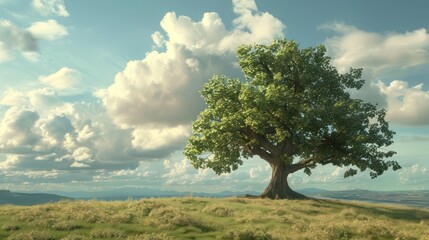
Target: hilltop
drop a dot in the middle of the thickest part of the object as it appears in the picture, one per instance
(213, 218)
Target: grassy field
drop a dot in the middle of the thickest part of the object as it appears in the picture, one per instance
(210, 218)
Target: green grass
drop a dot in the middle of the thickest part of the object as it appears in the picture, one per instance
(209, 218)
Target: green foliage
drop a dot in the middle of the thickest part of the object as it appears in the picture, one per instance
(293, 108)
(207, 218)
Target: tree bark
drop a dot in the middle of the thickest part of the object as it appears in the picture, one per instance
(279, 187)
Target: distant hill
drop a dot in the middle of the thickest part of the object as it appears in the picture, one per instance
(136, 193)
(410, 198)
(27, 199)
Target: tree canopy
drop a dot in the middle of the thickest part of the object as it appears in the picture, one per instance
(294, 111)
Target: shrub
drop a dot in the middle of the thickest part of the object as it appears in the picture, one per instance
(31, 235)
(248, 234)
(170, 218)
(103, 233)
(122, 218)
(65, 226)
(43, 223)
(10, 227)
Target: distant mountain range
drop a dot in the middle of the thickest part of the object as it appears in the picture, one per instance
(410, 198)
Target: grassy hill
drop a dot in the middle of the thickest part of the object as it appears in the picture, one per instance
(210, 218)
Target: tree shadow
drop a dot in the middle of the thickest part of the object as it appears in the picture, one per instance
(415, 215)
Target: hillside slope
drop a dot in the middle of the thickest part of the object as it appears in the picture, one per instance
(27, 199)
(209, 218)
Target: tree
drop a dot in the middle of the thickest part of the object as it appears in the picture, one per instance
(294, 112)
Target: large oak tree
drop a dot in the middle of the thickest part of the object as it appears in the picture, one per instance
(295, 112)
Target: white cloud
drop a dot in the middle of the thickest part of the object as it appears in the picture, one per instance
(158, 39)
(415, 175)
(261, 172)
(406, 105)
(16, 128)
(51, 133)
(380, 54)
(252, 26)
(82, 154)
(25, 41)
(79, 165)
(12, 97)
(56, 128)
(10, 162)
(51, 7)
(13, 38)
(49, 30)
(157, 97)
(176, 170)
(352, 47)
(244, 7)
(153, 138)
(86, 134)
(152, 100)
(43, 99)
(65, 78)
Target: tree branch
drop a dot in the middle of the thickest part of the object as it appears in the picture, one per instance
(261, 153)
(263, 142)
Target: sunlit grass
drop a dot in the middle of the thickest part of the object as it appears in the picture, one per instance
(210, 218)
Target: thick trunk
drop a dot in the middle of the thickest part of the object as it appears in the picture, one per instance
(279, 187)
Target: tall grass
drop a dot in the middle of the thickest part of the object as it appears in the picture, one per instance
(207, 218)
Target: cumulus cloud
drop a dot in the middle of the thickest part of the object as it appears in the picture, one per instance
(48, 30)
(49, 133)
(406, 105)
(12, 97)
(16, 128)
(153, 138)
(51, 7)
(352, 47)
(380, 54)
(13, 38)
(157, 97)
(150, 104)
(65, 78)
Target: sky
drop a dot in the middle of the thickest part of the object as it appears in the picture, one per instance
(100, 95)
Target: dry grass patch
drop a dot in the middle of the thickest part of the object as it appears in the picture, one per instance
(218, 210)
(106, 233)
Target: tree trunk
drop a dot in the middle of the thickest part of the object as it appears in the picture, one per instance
(279, 187)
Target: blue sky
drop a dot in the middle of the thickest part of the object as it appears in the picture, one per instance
(97, 95)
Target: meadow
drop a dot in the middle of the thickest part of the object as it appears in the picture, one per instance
(212, 218)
